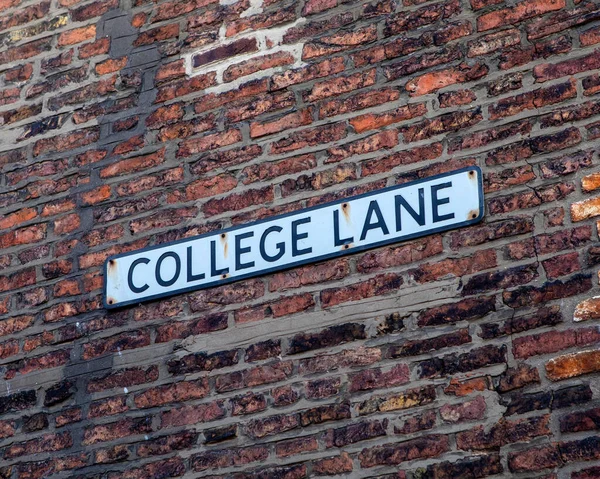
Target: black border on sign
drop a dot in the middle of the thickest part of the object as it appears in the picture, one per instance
(314, 259)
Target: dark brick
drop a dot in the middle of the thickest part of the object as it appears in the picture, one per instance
(18, 401)
(59, 392)
(326, 338)
(470, 468)
(202, 362)
(392, 454)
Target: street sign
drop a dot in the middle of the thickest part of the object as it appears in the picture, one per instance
(309, 235)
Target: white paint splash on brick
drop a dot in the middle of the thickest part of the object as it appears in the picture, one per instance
(268, 40)
(255, 8)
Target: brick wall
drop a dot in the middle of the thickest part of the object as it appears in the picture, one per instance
(467, 354)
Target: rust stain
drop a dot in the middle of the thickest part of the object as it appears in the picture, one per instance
(473, 214)
(346, 211)
(225, 244)
(472, 175)
(112, 269)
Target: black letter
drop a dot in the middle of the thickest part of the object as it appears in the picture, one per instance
(419, 218)
(239, 251)
(374, 208)
(213, 261)
(336, 231)
(190, 276)
(296, 237)
(280, 246)
(168, 254)
(435, 202)
(132, 287)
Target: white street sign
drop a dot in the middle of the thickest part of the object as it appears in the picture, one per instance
(343, 227)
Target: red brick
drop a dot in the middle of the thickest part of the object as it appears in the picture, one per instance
(123, 341)
(184, 87)
(521, 11)
(392, 454)
(257, 64)
(215, 459)
(98, 47)
(376, 286)
(431, 82)
(76, 35)
(15, 324)
(573, 365)
(45, 443)
(172, 393)
(158, 34)
(373, 121)
(123, 378)
(209, 142)
(333, 465)
(290, 121)
(504, 432)
(549, 71)
(318, 70)
(173, 467)
(296, 446)
(260, 428)
(406, 21)
(468, 411)
(133, 165)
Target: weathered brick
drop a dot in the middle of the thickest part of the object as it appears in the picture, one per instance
(177, 392)
(44, 443)
(228, 457)
(408, 399)
(333, 465)
(472, 467)
(123, 378)
(459, 363)
(392, 454)
(587, 449)
(418, 347)
(372, 121)
(549, 291)
(323, 414)
(260, 428)
(518, 13)
(467, 309)
(329, 337)
(572, 365)
(173, 467)
(318, 70)
(503, 432)
(549, 71)
(296, 446)
(376, 286)
(192, 414)
(431, 82)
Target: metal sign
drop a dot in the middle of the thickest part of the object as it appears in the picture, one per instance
(342, 227)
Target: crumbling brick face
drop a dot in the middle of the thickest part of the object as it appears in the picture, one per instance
(469, 353)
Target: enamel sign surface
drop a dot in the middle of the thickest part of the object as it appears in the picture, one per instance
(343, 227)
